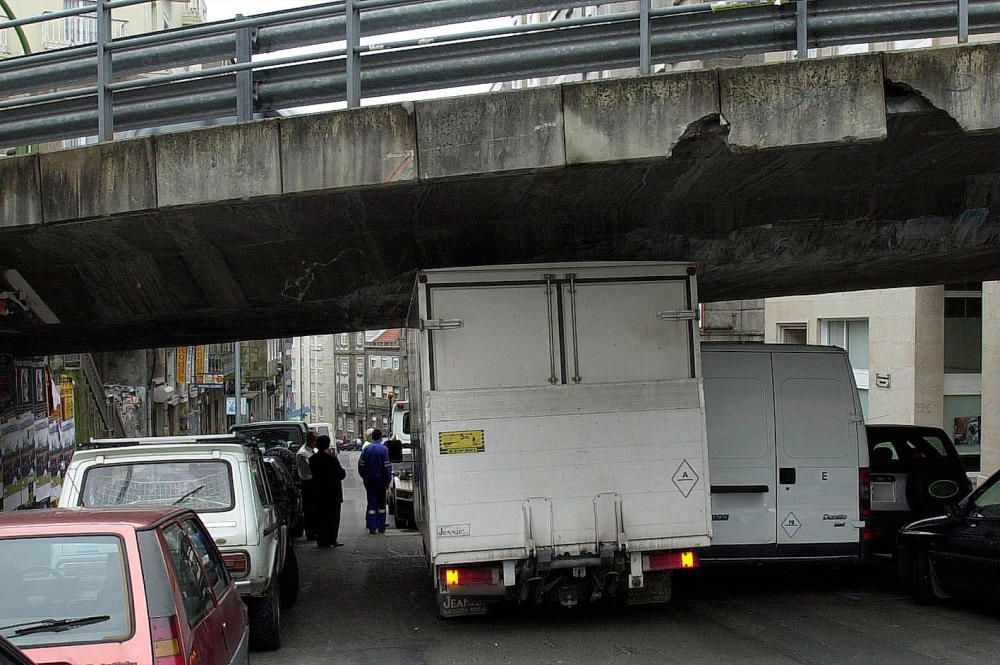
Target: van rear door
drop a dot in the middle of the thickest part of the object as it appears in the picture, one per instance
(739, 413)
(816, 430)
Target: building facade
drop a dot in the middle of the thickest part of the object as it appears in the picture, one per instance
(351, 402)
(385, 359)
(925, 355)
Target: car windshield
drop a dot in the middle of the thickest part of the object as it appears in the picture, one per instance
(201, 486)
(63, 590)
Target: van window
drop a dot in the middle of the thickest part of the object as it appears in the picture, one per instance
(814, 418)
(204, 486)
(194, 586)
(406, 423)
(736, 415)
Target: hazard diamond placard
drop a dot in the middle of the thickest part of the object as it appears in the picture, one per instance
(685, 479)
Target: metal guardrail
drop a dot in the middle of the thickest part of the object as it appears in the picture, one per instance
(65, 99)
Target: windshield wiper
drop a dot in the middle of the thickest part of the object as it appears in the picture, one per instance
(55, 625)
(189, 494)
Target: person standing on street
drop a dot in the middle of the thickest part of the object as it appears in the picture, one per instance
(305, 474)
(327, 475)
(368, 438)
(376, 472)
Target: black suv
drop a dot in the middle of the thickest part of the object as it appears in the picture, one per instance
(915, 472)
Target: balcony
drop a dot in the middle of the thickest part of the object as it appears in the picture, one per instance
(74, 30)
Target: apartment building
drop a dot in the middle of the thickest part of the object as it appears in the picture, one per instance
(386, 362)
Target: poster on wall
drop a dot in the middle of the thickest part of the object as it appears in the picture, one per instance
(967, 430)
(38, 491)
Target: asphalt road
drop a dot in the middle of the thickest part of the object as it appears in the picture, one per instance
(370, 603)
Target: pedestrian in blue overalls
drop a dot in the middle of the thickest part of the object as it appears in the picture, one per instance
(376, 472)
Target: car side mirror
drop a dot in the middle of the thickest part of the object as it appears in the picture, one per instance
(395, 447)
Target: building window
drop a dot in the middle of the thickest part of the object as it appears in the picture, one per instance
(852, 336)
(350, 427)
(395, 362)
(321, 411)
(963, 330)
(373, 362)
(344, 366)
(361, 396)
(343, 340)
(361, 367)
(792, 333)
(386, 362)
(374, 389)
(359, 340)
(345, 396)
(340, 423)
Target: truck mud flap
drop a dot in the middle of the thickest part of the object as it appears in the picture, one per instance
(456, 606)
(657, 588)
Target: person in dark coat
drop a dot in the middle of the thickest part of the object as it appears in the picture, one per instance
(328, 492)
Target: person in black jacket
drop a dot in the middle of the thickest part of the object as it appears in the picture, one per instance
(328, 492)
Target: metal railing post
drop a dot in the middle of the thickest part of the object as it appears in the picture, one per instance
(963, 21)
(645, 42)
(353, 24)
(801, 30)
(244, 79)
(105, 102)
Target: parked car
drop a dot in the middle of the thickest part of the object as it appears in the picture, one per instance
(913, 469)
(224, 479)
(289, 434)
(957, 553)
(287, 493)
(118, 585)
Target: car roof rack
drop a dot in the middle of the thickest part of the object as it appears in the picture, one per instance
(100, 444)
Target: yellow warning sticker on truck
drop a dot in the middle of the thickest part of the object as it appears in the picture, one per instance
(468, 441)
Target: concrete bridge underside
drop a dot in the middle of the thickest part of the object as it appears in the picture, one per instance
(847, 173)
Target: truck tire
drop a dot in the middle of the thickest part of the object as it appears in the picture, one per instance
(265, 619)
(290, 580)
(922, 580)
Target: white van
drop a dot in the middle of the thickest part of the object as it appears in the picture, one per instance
(788, 455)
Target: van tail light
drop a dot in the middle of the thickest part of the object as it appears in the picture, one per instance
(237, 563)
(166, 641)
(670, 560)
(865, 487)
(453, 577)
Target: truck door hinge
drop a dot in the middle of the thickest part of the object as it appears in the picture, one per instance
(441, 324)
(680, 315)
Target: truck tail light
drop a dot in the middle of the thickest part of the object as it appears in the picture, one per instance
(865, 488)
(237, 563)
(166, 639)
(671, 560)
(452, 577)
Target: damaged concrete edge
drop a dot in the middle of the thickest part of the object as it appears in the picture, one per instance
(958, 81)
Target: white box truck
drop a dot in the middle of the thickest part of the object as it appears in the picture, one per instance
(558, 431)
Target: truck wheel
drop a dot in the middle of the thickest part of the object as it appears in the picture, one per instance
(290, 580)
(265, 619)
(922, 580)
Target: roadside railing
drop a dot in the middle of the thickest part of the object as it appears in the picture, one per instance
(364, 53)
(71, 30)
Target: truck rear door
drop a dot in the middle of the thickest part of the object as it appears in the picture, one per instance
(739, 414)
(816, 431)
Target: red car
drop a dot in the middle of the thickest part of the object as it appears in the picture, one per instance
(118, 585)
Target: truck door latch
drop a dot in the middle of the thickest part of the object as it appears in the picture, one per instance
(441, 324)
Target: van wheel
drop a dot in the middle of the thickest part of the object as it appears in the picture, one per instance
(290, 580)
(265, 619)
(922, 580)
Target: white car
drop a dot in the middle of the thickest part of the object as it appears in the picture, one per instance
(223, 479)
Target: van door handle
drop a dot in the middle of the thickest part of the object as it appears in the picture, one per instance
(786, 476)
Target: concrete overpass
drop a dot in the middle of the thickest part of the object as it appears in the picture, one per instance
(853, 172)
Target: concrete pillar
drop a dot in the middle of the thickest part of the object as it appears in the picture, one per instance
(928, 356)
(990, 423)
